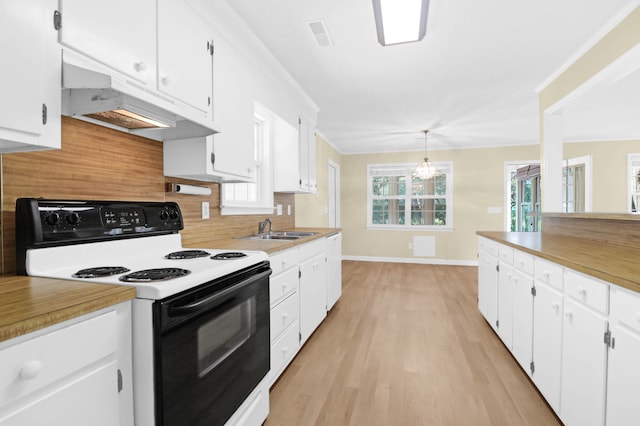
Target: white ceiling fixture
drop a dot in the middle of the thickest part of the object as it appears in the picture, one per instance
(400, 21)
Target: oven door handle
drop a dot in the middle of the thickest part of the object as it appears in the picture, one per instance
(207, 302)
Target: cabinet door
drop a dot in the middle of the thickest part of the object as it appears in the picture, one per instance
(522, 319)
(505, 304)
(334, 269)
(120, 34)
(584, 363)
(90, 399)
(29, 111)
(547, 343)
(233, 112)
(313, 295)
(623, 376)
(185, 58)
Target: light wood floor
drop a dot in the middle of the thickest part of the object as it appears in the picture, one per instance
(406, 345)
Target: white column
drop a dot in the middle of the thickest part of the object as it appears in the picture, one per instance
(551, 162)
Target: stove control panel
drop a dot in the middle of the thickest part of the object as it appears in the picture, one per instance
(72, 221)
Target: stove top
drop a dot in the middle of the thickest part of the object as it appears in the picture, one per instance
(120, 243)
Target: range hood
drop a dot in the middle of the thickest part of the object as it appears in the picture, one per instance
(91, 96)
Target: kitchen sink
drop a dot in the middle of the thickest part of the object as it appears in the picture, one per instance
(278, 236)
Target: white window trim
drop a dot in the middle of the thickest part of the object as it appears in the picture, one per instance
(265, 204)
(448, 165)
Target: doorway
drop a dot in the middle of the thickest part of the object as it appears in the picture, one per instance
(333, 195)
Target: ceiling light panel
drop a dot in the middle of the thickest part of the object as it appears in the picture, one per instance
(400, 21)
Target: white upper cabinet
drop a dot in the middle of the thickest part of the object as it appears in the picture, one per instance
(295, 159)
(185, 54)
(158, 48)
(119, 34)
(233, 112)
(30, 83)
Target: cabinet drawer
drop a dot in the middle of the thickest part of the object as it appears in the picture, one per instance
(283, 260)
(625, 307)
(313, 248)
(284, 314)
(587, 290)
(523, 262)
(282, 285)
(506, 254)
(489, 246)
(36, 363)
(283, 350)
(548, 273)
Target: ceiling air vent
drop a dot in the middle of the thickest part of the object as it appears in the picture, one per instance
(320, 33)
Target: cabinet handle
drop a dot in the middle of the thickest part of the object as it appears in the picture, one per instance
(166, 80)
(139, 66)
(284, 351)
(31, 369)
(546, 275)
(284, 287)
(284, 262)
(582, 291)
(569, 315)
(284, 317)
(555, 306)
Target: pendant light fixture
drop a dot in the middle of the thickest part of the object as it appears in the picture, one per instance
(425, 170)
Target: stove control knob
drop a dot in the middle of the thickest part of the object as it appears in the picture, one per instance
(73, 218)
(53, 219)
(164, 215)
(173, 214)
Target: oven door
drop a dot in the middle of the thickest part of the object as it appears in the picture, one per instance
(211, 348)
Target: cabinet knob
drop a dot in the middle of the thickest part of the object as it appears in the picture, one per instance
(569, 315)
(284, 287)
(582, 291)
(555, 305)
(140, 66)
(166, 80)
(284, 317)
(31, 369)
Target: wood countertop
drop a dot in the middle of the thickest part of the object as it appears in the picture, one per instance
(270, 246)
(28, 304)
(613, 263)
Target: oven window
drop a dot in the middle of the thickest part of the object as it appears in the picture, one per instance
(223, 334)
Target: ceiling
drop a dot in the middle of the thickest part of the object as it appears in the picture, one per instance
(472, 80)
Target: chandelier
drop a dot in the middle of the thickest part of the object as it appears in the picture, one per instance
(425, 170)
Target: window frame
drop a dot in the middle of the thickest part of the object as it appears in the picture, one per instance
(406, 170)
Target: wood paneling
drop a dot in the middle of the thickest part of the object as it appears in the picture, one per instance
(406, 345)
(619, 229)
(97, 163)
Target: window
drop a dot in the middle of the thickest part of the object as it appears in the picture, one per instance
(633, 170)
(576, 185)
(253, 197)
(523, 183)
(397, 200)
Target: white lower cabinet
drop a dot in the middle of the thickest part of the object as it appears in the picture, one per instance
(298, 295)
(334, 269)
(313, 287)
(68, 376)
(522, 319)
(583, 334)
(548, 314)
(488, 281)
(505, 304)
(623, 379)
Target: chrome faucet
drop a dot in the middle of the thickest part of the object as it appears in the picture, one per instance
(263, 225)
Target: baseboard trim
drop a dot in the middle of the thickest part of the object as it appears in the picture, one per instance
(456, 262)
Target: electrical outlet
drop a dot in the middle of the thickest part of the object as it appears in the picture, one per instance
(288, 209)
(279, 209)
(205, 210)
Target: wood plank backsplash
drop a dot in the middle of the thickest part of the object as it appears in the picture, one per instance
(97, 163)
